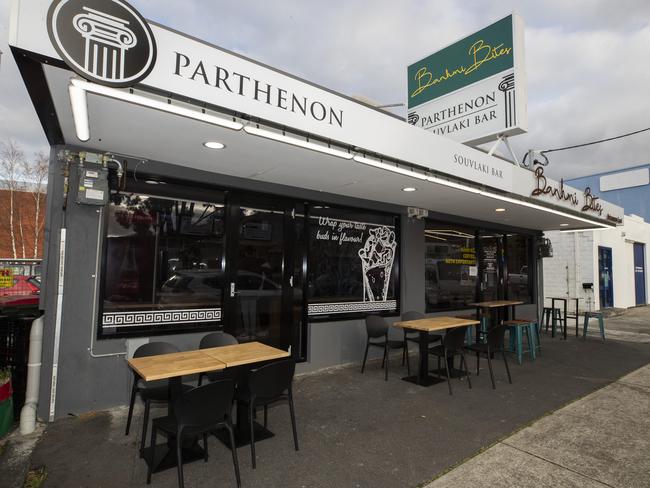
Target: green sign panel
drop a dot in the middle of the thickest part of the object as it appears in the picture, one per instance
(474, 58)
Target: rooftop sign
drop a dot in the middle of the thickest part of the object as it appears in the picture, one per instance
(473, 90)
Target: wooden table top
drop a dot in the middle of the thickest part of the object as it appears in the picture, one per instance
(431, 324)
(245, 353)
(164, 366)
(562, 298)
(496, 303)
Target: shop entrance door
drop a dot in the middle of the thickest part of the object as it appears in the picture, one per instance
(639, 273)
(605, 282)
(491, 267)
(259, 294)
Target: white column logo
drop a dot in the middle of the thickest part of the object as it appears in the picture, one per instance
(107, 40)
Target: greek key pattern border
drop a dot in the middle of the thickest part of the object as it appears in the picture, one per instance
(347, 307)
(160, 317)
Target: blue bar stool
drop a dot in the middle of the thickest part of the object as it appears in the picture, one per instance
(516, 328)
(482, 329)
(601, 323)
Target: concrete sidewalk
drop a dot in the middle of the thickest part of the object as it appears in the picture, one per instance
(601, 440)
(357, 430)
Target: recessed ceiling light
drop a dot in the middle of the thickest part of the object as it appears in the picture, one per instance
(214, 145)
(154, 182)
(564, 225)
(499, 209)
(409, 188)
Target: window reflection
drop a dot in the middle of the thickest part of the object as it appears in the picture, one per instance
(519, 283)
(454, 266)
(163, 254)
(451, 268)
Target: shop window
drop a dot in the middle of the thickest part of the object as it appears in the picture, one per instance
(459, 270)
(518, 262)
(450, 267)
(162, 265)
(353, 263)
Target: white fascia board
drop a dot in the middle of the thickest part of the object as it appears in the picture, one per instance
(360, 126)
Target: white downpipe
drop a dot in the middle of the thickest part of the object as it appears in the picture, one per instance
(57, 324)
(28, 412)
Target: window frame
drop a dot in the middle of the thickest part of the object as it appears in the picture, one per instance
(169, 192)
(346, 316)
(478, 228)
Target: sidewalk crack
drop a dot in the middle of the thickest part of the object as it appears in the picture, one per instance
(558, 465)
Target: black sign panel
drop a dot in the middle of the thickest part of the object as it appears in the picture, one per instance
(105, 41)
(353, 262)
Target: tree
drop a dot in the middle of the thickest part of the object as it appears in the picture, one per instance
(11, 163)
(23, 182)
(36, 174)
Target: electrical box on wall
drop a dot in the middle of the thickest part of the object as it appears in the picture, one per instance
(418, 213)
(92, 188)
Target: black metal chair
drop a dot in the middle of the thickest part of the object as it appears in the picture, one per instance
(216, 339)
(197, 413)
(151, 391)
(452, 345)
(377, 328)
(413, 335)
(493, 344)
(268, 384)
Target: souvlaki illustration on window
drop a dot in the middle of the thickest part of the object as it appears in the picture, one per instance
(377, 258)
(352, 262)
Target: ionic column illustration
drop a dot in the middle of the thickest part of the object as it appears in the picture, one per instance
(507, 86)
(107, 40)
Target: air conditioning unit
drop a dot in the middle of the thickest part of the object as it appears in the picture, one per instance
(418, 213)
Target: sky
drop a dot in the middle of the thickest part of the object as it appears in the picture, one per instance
(586, 61)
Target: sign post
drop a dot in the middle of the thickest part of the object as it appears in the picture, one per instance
(472, 91)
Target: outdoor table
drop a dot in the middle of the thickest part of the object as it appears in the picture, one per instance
(494, 308)
(176, 365)
(238, 355)
(173, 367)
(424, 327)
(564, 301)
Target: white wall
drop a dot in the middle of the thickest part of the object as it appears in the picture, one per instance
(572, 265)
(621, 240)
(575, 261)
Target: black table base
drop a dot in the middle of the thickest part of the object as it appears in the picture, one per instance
(165, 455)
(242, 435)
(427, 380)
(453, 373)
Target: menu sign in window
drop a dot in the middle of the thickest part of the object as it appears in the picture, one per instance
(353, 259)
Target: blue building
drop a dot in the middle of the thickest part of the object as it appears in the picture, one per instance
(628, 188)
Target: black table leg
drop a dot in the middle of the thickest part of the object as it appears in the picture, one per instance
(453, 372)
(565, 318)
(165, 454)
(423, 378)
(577, 322)
(552, 316)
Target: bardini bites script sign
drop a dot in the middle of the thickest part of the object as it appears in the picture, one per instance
(473, 90)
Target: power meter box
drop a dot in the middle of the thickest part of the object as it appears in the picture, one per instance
(93, 184)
